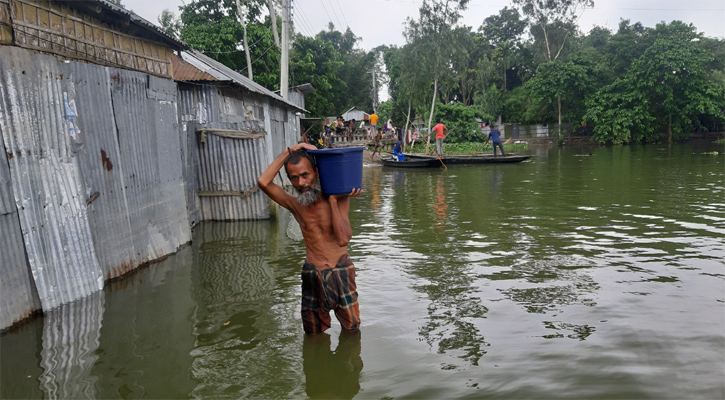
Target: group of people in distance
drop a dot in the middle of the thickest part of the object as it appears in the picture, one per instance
(340, 127)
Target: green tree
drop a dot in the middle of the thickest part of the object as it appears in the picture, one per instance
(462, 121)
(504, 32)
(169, 23)
(431, 34)
(665, 90)
(559, 80)
(553, 21)
(316, 61)
(212, 27)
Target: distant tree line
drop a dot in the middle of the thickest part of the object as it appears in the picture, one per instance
(528, 64)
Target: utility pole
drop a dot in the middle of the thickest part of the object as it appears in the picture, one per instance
(375, 92)
(240, 15)
(284, 59)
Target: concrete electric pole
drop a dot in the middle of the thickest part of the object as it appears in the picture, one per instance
(284, 59)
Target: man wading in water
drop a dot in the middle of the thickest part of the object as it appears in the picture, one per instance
(328, 275)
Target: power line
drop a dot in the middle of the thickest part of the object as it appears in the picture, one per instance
(303, 21)
(304, 16)
(257, 59)
(301, 24)
(236, 51)
(328, 14)
(343, 13)
(335, 12)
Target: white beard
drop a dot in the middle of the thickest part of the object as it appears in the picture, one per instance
(309, 197)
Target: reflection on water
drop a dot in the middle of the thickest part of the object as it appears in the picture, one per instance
(71, 336)
(242, 329)
(598, 276)
(332, 374)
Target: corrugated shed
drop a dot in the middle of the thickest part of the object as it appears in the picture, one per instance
(36, 121)
(227, 165)
(103, 176)
(19, 298)
(225, 74)
(144, 199)
(91, 180)
(131, 162)
(222, 165)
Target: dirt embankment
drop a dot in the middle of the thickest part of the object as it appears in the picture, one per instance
(367, 161)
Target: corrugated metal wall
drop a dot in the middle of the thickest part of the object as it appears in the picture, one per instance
(224, 164)
(97, 186)
(39, 137)
(132, 158)
(15, 277)
(98, 176)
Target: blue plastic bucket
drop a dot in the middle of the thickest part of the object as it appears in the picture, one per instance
(340, 169)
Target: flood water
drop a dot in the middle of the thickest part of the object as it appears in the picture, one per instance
(566, 276)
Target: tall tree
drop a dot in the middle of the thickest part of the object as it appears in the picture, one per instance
(504, 32)
(433, 31)
(315, 61)
(212, 27)
(559, 80)
(554, 20)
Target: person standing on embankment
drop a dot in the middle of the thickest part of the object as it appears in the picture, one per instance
(328, 274)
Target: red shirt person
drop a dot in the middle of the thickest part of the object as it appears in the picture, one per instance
(441, 131)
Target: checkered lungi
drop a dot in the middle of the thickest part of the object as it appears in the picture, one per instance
(329, 289)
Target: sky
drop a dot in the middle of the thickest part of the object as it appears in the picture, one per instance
(380, 22)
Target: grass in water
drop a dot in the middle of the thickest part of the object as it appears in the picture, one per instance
(466, 148)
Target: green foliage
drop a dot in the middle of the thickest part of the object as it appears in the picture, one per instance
(315, 61)
(506, 27)
(212, 27)
(560, 81)
(463, 123)
(169, 23)
(638, 84)
(552, 22)
(385, 112)
(664, 91)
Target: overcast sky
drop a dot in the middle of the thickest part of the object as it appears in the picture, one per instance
(380, 22)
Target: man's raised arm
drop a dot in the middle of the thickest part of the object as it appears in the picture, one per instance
(266, 180)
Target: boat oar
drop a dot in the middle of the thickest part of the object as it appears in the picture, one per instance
(439, 159)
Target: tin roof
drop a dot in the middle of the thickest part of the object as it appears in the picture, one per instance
(140, 22)
(186, 71)
(195, 66)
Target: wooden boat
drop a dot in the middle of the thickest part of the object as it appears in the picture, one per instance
(389, 161)
(454, 159)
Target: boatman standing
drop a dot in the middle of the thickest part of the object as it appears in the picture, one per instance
(495, 136)
(441, 132)
(328, 275)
